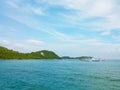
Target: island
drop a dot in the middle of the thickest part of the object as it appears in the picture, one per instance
(80, 58)
(84, 58)
(6, 53)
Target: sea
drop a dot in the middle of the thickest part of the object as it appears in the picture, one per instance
(59, 75)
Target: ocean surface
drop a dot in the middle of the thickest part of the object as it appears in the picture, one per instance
(59, 75)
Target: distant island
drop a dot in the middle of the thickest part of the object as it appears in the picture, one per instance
(80, 58)
(11, 54)
(84, 58)
(6, 53)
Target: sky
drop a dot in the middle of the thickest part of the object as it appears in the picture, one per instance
(67, 27)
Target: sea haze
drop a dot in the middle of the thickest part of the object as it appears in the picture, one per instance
(59, 75)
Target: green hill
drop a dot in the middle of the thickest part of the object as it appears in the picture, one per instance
(10, 54)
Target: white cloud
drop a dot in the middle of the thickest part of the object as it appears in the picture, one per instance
(5, 42)
(24, 45)
(95, 7)
(37, 25)
(58, 35)
(12, 4)
(85, 9)
(33, 41)
(117, 38)
(105, 33)
(100, 8)
(25, 8)
(37, 11)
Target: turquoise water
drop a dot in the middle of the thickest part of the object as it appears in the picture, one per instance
(59, 75)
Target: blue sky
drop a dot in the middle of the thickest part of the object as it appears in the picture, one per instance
(68, 27)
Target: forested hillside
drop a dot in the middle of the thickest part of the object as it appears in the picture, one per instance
(10, 54)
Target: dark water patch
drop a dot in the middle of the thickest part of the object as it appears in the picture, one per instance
(115, 80)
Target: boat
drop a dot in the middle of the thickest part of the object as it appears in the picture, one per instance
(93, 59)
(96, 59)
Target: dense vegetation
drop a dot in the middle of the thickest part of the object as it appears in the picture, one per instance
(84, 57)
(80, 58)
(10, 54)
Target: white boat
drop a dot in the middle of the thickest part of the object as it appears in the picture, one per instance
(96, 59)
